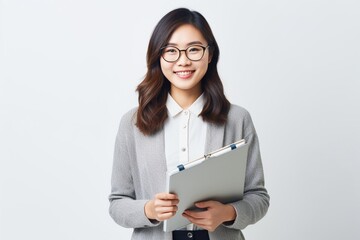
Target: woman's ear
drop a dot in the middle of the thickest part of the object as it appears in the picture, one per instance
(210, 55)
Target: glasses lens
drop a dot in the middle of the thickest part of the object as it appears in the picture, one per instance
(170, 54)
(195, 53)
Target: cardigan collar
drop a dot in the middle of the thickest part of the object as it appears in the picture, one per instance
(214, 137)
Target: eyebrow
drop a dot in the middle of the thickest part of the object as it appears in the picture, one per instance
(190, 43)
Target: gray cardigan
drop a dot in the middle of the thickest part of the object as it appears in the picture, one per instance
(139, 172)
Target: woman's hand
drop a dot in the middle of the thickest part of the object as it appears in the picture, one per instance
(162, 207)
(215, 214)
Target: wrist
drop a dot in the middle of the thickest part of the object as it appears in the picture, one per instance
(230, 213)
(148, 209)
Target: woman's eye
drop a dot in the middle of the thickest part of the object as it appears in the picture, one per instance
(194, 49)
(170, 50)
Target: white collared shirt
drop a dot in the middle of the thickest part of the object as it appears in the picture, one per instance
(185, 135)
(185, 132)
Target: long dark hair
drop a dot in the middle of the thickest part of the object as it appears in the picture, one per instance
(153, 90)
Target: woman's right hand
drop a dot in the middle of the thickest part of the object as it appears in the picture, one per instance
(162, 207)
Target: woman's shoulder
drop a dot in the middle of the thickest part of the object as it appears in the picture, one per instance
(239, 119)
(237, 112)
(129, 118)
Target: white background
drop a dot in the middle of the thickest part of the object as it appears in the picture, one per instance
(68, 73)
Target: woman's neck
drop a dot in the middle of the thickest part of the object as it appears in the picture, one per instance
(185, 98)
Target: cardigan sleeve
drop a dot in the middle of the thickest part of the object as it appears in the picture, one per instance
(125, 209)
(255, 202)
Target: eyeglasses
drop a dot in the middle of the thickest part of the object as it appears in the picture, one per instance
(193, 53)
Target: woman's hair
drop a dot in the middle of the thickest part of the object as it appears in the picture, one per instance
(153, 90)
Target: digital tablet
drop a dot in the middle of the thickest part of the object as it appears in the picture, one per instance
(219, 176)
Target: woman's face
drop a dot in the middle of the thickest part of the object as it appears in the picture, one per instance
(184, 74)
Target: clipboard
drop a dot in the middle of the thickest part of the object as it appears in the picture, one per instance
(219, 176)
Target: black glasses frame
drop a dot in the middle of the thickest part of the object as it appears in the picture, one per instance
(184, 50)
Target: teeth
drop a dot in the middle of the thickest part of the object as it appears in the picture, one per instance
(184, 73)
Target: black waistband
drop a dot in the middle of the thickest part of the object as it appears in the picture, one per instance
(190, 235)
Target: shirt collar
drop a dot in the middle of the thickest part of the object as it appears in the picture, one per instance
(174, 108)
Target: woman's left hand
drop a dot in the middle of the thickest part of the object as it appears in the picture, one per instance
(214, 214)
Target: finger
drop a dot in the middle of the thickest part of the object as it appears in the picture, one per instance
(205, 204)
(196, 214)
(161, 210)
(190, 218)
(160, 202)
(203, 223)
(166, 196)
(165, 216)
(197, 221)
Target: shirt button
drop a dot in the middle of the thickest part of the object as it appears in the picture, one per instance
(190, 235)
(184, 126)
(183, 149)
(186, 112)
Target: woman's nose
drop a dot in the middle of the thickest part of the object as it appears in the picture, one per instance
(183, 60)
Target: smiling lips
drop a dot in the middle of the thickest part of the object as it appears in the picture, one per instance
(184, 74)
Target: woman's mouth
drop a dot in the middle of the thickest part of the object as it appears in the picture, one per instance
(184, 74)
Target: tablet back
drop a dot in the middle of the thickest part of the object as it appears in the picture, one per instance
(219, 178)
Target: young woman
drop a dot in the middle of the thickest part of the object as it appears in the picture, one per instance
(182, 114)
